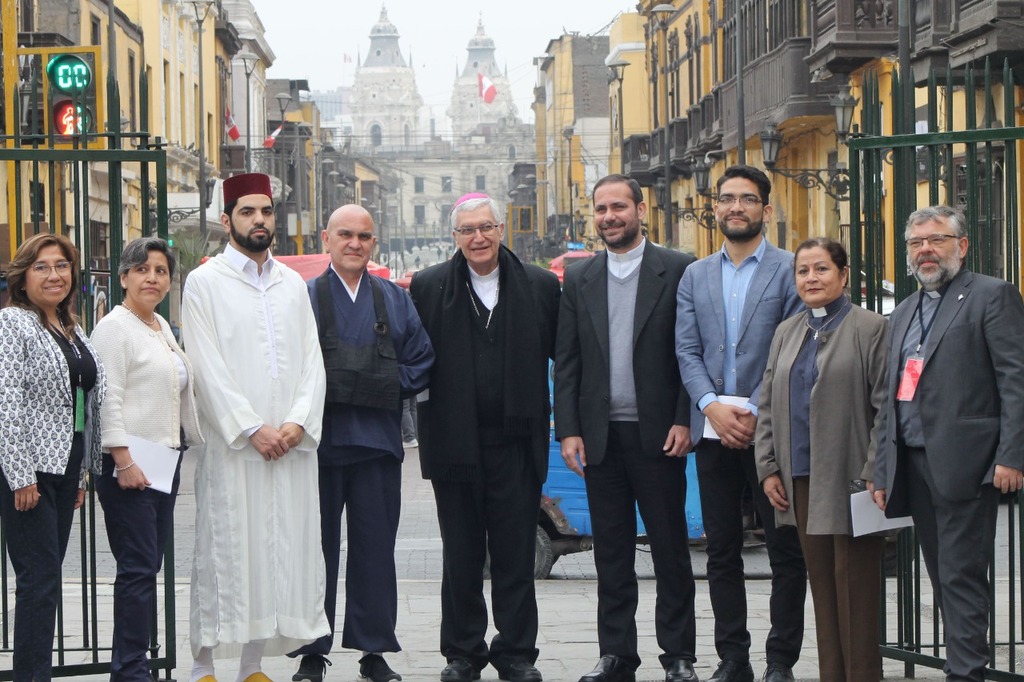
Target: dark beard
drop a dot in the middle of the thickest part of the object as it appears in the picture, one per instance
(629, 234)
(250, 243)
(741, 235)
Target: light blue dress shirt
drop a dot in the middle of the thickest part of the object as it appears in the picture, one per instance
(735, 282)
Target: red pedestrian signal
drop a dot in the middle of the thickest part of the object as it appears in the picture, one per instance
(70, 119)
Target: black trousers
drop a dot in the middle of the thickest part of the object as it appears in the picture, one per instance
(497, 514)
(139, 522)
(955, 538)
(722, 474)
(627, 478)
(370, 494)
(36, 543)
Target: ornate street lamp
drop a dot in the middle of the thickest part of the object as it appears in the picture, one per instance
(617, 72)
(834, 182)
(662, 13)
(249, 61)
(202, 10)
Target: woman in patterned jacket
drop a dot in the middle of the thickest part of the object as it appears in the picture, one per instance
(150, 396)
(51, 388)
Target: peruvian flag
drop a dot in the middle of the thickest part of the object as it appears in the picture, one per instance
(487, 89)
(272, 137)
(229, 121)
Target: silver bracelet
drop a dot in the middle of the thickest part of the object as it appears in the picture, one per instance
(125, 468)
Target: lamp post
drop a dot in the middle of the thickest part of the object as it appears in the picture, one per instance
(567, 133)
(202, 10)
(662, 13)
(249, 61)
(835, 183)
(283, 100)
(617, 71)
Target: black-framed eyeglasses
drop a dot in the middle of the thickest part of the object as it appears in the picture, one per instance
(747, 200)
(484, 229)
(933, 239)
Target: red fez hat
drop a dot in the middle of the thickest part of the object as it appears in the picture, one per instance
(245, 184)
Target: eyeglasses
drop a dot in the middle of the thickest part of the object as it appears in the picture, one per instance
(747, 200)
(62, 267)
(933, 239)
(484, 229)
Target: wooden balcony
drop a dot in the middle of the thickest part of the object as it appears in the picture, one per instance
(637, 159)
(776, 87)
(847, 34)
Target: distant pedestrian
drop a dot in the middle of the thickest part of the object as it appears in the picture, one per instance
(376, 352)
(623, 419)
(952, 438)
(484, 436)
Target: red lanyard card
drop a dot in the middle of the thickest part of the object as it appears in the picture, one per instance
(908, 380)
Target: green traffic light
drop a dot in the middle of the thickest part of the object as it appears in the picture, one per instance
(69, 74)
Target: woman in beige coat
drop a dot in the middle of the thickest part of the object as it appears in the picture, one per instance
(816, 438)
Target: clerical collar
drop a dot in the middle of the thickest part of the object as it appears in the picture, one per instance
(830, 308)
(932, 294)
(483, 279)
(486, 286)
(635, 253)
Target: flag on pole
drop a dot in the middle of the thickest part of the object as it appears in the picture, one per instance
(272, 137)
(346, 58)
(488, 91)
(229, 121)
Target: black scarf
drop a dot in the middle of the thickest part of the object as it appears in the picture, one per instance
(524, 366)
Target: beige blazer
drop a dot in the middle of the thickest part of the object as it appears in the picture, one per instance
(845, 404)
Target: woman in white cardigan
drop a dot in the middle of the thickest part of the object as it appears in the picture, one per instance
(151, 396)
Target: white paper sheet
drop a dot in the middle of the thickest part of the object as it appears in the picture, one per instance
(868, 518)
(157, 461)
(737, 400)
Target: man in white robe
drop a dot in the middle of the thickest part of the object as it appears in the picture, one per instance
(258, 576)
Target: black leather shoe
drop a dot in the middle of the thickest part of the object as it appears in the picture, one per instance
(459, 670)
(610, 669)
(776, 672)
(681, 671)
(521, 671)
(733, 671)
(373, 667)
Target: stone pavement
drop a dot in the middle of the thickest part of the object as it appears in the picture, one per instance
(567, 605)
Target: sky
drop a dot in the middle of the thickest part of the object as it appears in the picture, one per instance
(311, 38)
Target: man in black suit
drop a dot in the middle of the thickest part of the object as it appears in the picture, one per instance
(622, 417)
(484, 432)
(952, 435)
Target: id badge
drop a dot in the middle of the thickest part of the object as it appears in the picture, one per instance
(908, 380)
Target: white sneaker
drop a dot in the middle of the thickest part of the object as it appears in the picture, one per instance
(411, 443)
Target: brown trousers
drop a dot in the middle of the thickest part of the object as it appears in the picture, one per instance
(845, 574)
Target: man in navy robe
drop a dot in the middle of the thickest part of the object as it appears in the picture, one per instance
(376, 353)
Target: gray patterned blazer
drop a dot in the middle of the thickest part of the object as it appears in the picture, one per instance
(36, 402)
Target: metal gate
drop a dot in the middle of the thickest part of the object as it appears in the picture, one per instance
(960, 153)
(55, 184)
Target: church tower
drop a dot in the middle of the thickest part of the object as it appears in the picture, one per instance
(385, 101)
(470, 113)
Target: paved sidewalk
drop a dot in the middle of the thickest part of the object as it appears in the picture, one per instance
(567, 605)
